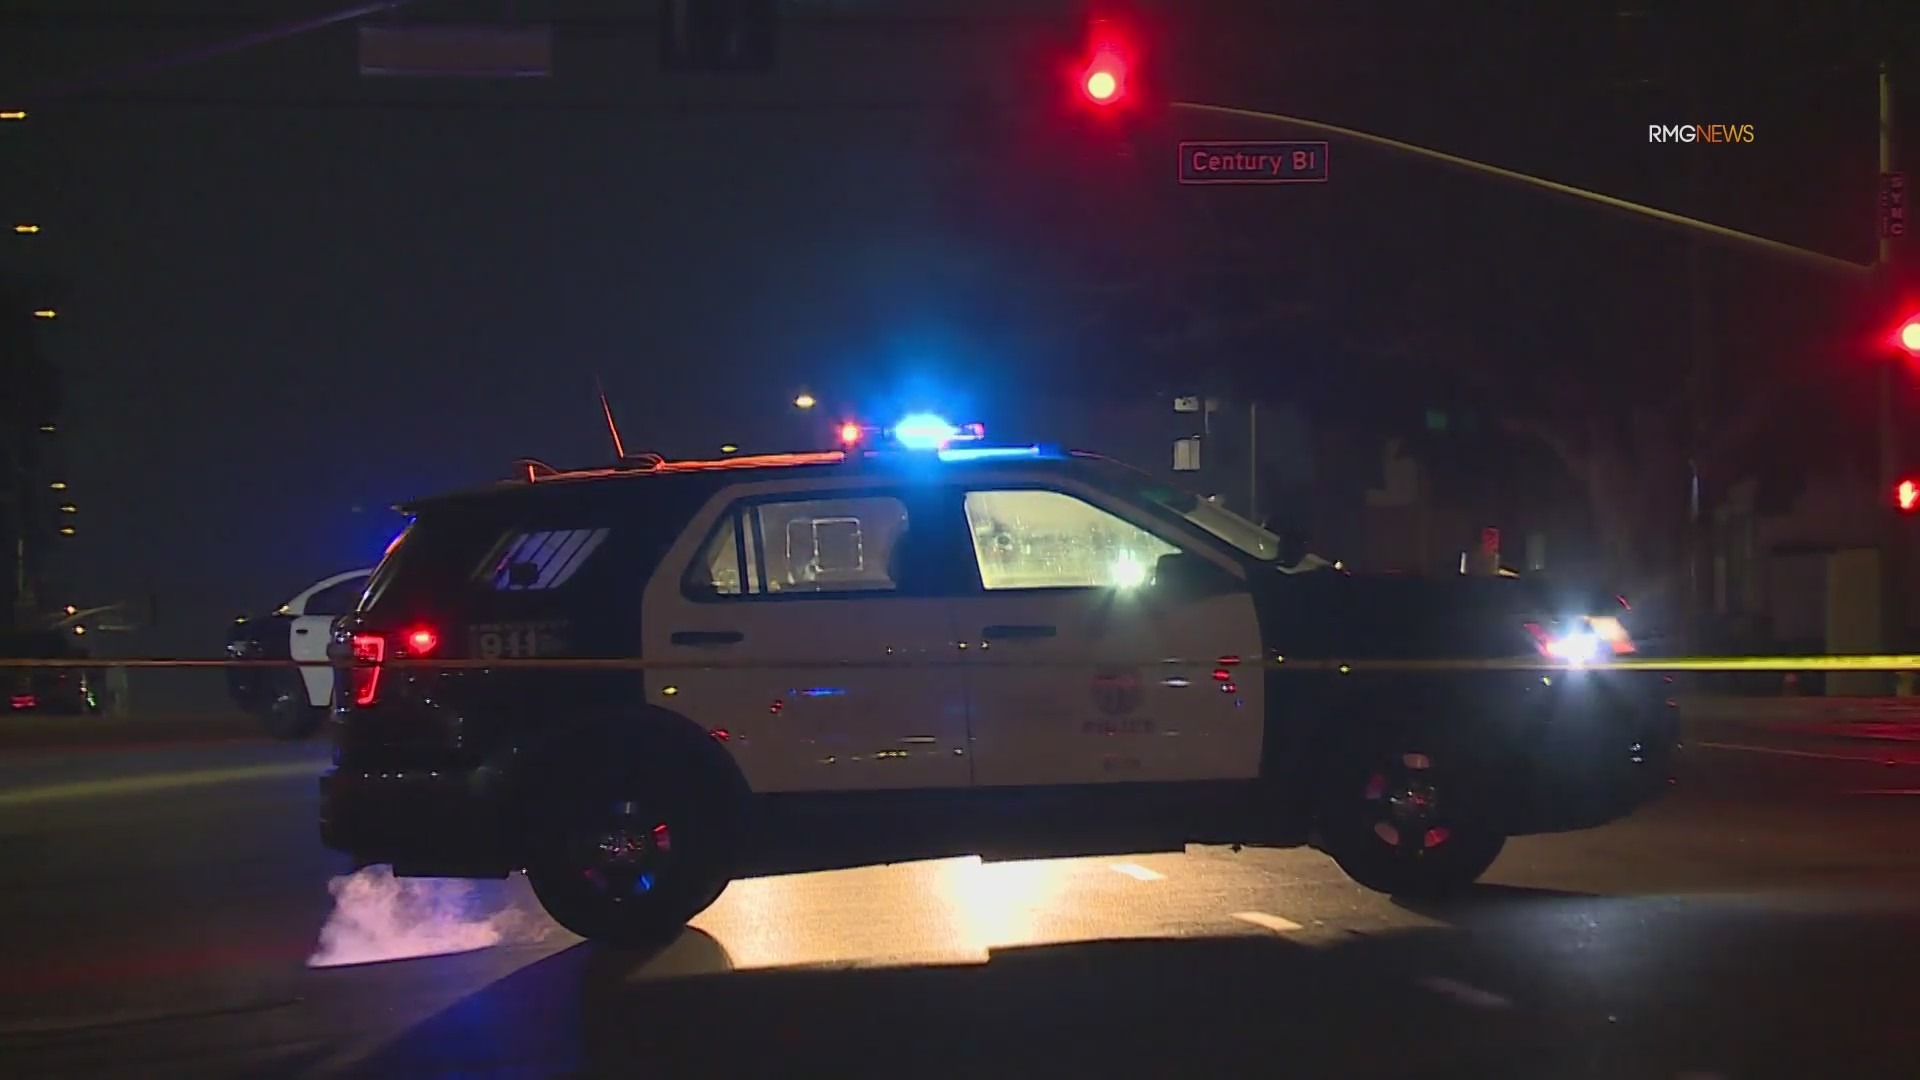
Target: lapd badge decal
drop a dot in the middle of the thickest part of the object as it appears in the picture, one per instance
(1116, 691)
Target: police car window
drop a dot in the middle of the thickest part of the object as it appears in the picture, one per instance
(336, 599)
(1025, 539)
(823, 545)
(537, 560)
(728, 560)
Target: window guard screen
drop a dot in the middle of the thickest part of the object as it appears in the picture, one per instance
(531, 561)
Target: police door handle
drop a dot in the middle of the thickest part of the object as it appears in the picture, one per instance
(1003, 633)
(708, 637)
(299, 629)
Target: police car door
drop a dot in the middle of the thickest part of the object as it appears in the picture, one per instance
(802, 596)
(1087, 670)
(312, 614)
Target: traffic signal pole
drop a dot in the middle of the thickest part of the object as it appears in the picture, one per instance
(1820, 260)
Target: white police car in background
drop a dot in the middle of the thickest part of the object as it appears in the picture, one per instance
(864, 657)
(291, 702)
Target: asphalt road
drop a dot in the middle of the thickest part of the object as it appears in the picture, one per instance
(159, 909)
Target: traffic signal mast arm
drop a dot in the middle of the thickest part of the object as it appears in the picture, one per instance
(1776, 247)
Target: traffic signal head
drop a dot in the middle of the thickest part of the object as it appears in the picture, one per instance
(1906, 495)
(1105, 80)
(1107, 63)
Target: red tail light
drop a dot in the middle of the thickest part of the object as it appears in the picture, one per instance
(1541, 639)
(369, 650)
(422, 640)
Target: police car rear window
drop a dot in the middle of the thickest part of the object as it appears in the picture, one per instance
(452, 550)
(534, 560)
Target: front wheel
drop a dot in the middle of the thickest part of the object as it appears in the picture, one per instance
(1392, 826)
(629, 863)
(286, 713)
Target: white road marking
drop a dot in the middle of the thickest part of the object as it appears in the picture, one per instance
(1783, 752)
(1270, 922)
(137, 785)
(1137, 872)
(1464, 994)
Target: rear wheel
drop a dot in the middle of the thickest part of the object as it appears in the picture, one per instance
(1393, 824)
(628, 858)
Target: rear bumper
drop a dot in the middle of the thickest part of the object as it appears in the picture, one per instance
(429, 822)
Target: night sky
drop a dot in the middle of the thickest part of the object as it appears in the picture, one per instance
(292, 296)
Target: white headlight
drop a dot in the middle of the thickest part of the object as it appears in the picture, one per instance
(1579, 647)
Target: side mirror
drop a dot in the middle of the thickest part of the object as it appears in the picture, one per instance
(1186, 576)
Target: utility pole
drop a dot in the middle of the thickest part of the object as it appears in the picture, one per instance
(1253, 462)
(1893, 561)
(1701, 384)
(1883, 271)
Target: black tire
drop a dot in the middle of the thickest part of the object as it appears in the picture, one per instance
(637, 839)
(1388, 821)
(286, 713)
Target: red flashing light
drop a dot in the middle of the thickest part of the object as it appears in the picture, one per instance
(368, 652)
(1906, 495)
(849, 433)
(422, 641)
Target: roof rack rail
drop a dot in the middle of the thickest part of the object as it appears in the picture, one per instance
(646, 462)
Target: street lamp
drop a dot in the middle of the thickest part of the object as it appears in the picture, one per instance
(804, 401)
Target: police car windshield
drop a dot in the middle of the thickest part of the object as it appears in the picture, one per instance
(1211, 517)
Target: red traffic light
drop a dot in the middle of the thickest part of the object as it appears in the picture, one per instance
(1109, 60)
(1908, 336)
(1906, 495)
(1105, 79)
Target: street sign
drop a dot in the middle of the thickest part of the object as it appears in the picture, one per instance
(1253, 162)
(1893, 205)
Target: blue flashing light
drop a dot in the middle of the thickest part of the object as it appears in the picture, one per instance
(923, 431)
(988, 453)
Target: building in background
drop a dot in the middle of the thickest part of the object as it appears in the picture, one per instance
(37, 511)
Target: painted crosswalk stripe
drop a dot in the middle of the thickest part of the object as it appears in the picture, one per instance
(1137, 872)
(1269, 922)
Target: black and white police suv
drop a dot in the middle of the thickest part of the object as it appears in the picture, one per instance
(292, 702)
(855, 658)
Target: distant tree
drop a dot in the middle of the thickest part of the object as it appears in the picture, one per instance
(1632, 425)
